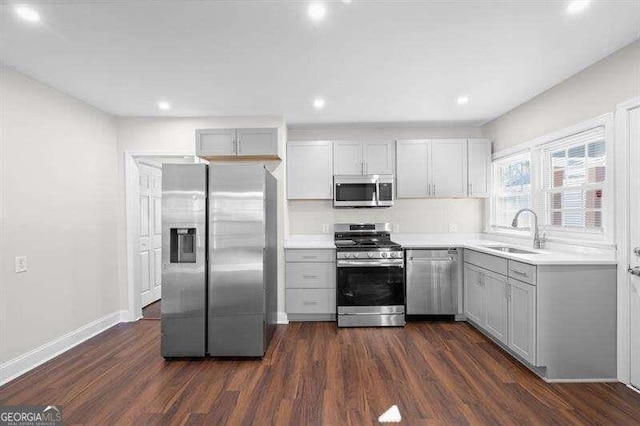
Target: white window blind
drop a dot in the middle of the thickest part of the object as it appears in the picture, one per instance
(573, 183)
(512, 190)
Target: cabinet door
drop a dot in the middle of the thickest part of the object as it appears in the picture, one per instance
(479, 167)
(257, 141)
(412, 174)
(347, 158)
(496, 305)
(449, 167)
(522, 319)
(215, 142)
(378, 157)
(474, 307)
(309, 170)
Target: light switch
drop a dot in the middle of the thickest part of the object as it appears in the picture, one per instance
(325, 228)
(453, 227)
(21, 264)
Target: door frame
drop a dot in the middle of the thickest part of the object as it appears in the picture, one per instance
(622, 179)
(132, 194)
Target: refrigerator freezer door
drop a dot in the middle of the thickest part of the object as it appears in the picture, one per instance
(236, 317)
(184, 205)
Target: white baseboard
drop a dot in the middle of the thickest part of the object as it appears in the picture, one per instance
(636, 390)
(580, 380)
(30, 360)
(282, 318)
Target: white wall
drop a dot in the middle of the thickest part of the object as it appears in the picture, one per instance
(59, 208)
(154, 135)
(594, 91)
(413, 216)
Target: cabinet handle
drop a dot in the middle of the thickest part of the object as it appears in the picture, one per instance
(309, 276)
(238, 147)
(471, 189)
(434, 189)
(310, 302)
(309, 257)
(233, 146)
(522, 274)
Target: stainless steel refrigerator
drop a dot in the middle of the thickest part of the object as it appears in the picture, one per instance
(219, 259)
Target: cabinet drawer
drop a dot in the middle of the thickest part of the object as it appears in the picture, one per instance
(522, 272)
(311, 301)
(311, 275)
(304, 255)
(486, 261)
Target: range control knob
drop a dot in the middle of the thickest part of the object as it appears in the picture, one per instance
(384, 254)
(370, 255)
(356, 255)
(394, 254)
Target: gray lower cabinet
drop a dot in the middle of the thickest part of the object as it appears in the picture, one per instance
(310, 284)
(522, 319)
(496, 305)
(474, 305)
(558, 319)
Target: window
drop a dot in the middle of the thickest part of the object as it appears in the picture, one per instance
(512, 191)
(574, 183)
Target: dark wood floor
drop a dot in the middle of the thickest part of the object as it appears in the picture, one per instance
(152, 311)
(437, 373)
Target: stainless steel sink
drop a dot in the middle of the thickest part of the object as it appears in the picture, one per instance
(506, 249)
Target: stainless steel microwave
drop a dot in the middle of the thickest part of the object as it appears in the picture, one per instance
(363, 191)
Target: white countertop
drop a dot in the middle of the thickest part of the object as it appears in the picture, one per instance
(477, 242)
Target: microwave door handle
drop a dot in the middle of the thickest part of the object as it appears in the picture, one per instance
(377, 193)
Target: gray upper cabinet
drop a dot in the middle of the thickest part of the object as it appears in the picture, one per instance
(347, 158)
(479, 167)
(449, 167)
(444, 168)
(229, 144)
(257, 142)
(215, 142)
(378, 157)
(412, 173)
(363, 158)
(309, 170)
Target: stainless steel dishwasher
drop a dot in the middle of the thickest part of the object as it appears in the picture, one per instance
(433, 282)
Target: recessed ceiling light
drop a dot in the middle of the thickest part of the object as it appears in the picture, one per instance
(27, 13)
(576, 6)
(318, 103)
(316, 11)
(164, 105)
(346, 1)
(462, 100)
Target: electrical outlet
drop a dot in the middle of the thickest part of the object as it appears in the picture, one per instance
(21, 264)
(453, 227)
(396, 228)
(325, 228)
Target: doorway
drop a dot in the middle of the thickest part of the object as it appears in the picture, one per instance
(634, 246)
(144, 230)
(628, 146)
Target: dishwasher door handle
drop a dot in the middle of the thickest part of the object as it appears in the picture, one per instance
(432, 259)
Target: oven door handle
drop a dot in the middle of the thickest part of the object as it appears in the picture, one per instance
(351, 264)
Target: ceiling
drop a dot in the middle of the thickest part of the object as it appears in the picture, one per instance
(372, 61)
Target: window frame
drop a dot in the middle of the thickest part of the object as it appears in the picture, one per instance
(495, 181)
(536, 149)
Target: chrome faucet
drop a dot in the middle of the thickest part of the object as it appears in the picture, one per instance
(537, 240)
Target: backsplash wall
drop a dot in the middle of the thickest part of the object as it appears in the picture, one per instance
(412, 215)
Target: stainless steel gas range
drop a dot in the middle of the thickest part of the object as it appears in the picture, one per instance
(370, 276)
